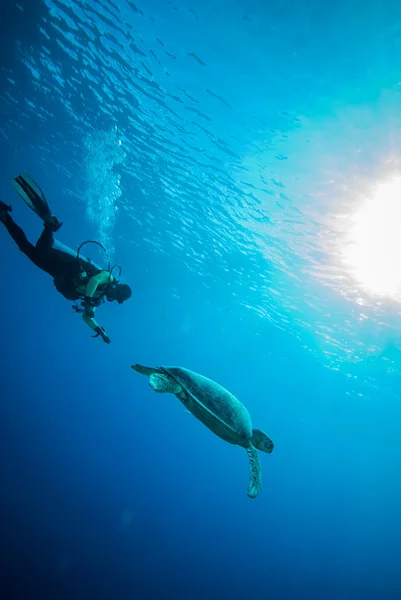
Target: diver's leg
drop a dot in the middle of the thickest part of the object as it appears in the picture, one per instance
(49, 259)
(45, 241)
(17, 233)
(52, 222)
(42, 255)
(59, 264)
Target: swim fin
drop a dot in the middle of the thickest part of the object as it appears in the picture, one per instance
(33, 196)
(31, 193)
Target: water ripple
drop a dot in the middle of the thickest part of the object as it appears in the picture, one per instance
(239, 147)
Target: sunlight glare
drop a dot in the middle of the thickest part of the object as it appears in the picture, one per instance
(374, 250)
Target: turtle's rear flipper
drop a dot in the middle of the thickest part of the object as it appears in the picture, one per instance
(148, 371)
(261, 441)
(255, 479)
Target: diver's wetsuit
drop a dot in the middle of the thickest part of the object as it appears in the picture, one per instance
(63, 266)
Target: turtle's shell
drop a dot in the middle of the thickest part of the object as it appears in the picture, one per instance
(214, 406)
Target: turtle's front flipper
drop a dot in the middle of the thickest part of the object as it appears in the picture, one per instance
(145, 370)
(164, 384)
(255, 481)
(261, 441)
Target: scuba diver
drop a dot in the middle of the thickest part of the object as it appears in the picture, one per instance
(75, 277)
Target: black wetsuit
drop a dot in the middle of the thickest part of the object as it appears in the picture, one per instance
(68, 273)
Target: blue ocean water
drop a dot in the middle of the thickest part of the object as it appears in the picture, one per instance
(220, 152)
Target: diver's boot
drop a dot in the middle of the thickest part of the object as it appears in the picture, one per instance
(4, 210)
(52, 222)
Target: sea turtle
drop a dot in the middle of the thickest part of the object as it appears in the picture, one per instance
(216, 408)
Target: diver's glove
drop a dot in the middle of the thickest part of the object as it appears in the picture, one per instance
(102, 332)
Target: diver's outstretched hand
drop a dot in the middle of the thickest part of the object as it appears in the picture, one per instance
(102, 332)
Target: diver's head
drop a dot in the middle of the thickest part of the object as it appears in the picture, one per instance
(119, 292)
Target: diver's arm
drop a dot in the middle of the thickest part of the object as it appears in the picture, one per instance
(88, 316)
(102, 278)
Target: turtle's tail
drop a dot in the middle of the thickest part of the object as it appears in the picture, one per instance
(255, 480)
